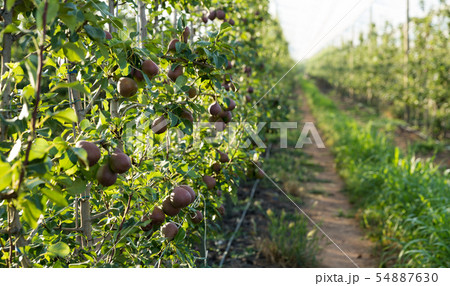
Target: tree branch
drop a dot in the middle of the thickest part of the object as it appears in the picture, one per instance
(101, 215)
(8, 195)
(91, 103)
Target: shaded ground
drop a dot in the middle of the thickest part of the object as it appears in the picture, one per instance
(246, 248)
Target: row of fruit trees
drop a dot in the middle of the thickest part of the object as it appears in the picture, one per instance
(124, 126)
(387, 69)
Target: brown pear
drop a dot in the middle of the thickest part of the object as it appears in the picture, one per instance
(197, 217)
(250, 89)
(148, 225)
(105, 176)
(209, 181)
(214, 109)
(169, 230)
(108, 35)
(137, 74)
(186, 114)
(186, 34)
(205, 18)
(192, 92)
(150, 68)
(223, 158)
(220, 125)
(180, 197)
(212, 15)
(168, 208)
(93, 152)
(226, 116)
(221, 210)
(216, 167)
(231, 22)
(159, 125)
(127, 87)
(220, 14)
(230, 104)
(119, 162)
(157, 217)
(172, 46)
(191, 192)
(175, 73)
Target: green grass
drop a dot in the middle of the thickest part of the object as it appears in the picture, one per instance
(290, 243)
(404, 201)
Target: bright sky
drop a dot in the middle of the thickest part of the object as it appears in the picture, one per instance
(310, 25)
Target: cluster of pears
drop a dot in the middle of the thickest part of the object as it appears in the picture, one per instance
(219, 14)
(221, 115)
(179, 198)
(127, 87)
(176, 70)
(118, 163)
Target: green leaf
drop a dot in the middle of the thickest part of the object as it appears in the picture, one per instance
(68, 159)
(28, 92)
(39, 149)
(95, 33)
(173, 119)
(181, 81)
(9, 4)
(5, 175)
(34, 183)
(77, 187)
(85, 124)
(224, 27)
(74, 85)
(55, 196)
(203, 43)
(67, 115)
(73, 52)
(30, 213)
(39, 167)
(52, 10)
(81, 154)
(59, 249)
(51, 13)
(68, 14)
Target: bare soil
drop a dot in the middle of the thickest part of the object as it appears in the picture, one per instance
(327, 205)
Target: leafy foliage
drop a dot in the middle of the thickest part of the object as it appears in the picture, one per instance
(45, 178)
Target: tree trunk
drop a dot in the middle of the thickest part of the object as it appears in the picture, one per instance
(5, 86)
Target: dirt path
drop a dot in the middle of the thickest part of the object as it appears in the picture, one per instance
(328, 206)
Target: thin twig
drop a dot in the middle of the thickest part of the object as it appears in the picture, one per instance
(38, 97)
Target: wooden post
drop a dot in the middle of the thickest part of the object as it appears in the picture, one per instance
(142, 23)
